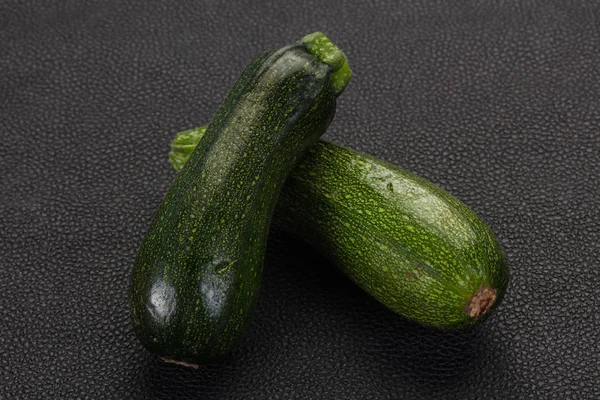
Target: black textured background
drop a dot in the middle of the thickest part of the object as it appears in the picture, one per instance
(497, 104)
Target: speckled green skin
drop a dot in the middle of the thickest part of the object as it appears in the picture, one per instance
(197, 275)
(413, 246)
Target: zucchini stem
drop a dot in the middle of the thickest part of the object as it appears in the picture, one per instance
(321, 47)
(183, 145)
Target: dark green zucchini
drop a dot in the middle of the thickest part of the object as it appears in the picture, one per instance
(197, 274)
(413, 246)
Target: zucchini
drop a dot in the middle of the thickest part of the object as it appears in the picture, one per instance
(197, 274)
(413, 246)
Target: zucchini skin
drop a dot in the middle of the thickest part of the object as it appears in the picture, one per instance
(410, 244)
(197, 275)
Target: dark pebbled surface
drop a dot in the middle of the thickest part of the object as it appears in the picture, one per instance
(499, 105)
